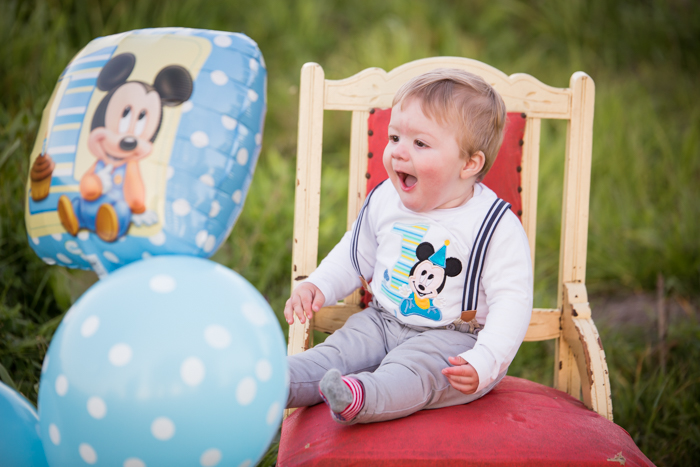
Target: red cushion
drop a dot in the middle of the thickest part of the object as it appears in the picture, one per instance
(518, 423)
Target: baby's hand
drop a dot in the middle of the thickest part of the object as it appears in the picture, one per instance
(305, 299)
(462, 376)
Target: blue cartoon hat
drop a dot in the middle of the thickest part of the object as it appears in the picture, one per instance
(438, 258)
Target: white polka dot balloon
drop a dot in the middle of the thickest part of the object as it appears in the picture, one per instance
(172, 360)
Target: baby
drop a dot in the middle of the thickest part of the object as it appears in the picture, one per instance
(449, 265)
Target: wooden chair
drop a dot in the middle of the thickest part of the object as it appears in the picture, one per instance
(580, 370)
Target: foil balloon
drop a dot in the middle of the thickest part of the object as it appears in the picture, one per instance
(168, 361)
(147, 147)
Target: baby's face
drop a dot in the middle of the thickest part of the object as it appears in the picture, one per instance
(423, 161)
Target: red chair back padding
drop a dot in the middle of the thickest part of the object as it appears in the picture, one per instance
(503, 178)
(518, 423)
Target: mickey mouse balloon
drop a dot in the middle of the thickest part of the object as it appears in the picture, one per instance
(146, 147)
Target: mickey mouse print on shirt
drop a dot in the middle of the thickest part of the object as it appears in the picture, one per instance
(426, 280)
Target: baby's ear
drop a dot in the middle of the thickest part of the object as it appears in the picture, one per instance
(473, 165)
(424, 251)
(453, 267)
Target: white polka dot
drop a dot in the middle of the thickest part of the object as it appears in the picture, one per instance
(252, 95)
(245, 392)
(89, 326)
(120, 354)
(199, 139)
(243, 130)
(157, 239)
(63, 258)
(121, 239)
(61, 385)
(237, 196)
(54, 434)
(262, 62)
(258, 139)
(163, 428)
(207, 179)
(181, 207)
(57, 236)
(242, 156)
(246, 463)
(35, 240)
(217, 336)
(263, 370)
(254, 314)
(192, 371)
(218, 77)
(162, 283)
(253, 64)
(215, 209)
(134, 462)
(187, 106)
(222, 41)
(146, 255)
(96, 407)
(273, 413)
(209, 244)
(169, 172)
(228, 122)
(83, 235)
(201, 238)
(87, 453)
(45, 365)
(210, 458)
(73, 248)
(111, 256)
(49, 261)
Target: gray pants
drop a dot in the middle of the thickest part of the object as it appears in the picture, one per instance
(398, 365)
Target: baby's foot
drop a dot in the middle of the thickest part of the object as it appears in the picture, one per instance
(344, 395)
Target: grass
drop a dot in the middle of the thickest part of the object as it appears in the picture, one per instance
(643, 57)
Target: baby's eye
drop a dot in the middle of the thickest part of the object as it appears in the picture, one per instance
(393, 138)
(421, 144)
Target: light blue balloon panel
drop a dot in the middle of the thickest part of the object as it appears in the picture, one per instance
(214, 153)
(20, 445)
(169, 361)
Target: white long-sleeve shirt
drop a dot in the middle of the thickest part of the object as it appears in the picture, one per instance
(429, 294)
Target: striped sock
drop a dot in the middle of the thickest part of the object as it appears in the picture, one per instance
(344, 395)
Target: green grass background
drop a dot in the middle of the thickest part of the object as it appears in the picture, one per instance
(644, 56)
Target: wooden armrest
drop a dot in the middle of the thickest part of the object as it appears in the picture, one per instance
(581, 335)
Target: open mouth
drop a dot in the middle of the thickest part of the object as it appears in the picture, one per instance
(408, 181)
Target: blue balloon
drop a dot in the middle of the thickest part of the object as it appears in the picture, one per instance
(147, 147)
(171, 361)
(20, 445)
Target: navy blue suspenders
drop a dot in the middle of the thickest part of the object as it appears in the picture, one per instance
(476, 258)
(356, 238)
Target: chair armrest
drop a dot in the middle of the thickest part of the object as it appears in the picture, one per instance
(580, 333)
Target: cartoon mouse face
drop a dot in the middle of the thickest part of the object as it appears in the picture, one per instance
(128, 118)
(427, 279)
(428, 275)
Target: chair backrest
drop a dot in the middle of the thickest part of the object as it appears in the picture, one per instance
(368, 95)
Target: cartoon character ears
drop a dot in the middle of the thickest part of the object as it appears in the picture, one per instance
(424, 251)
(174, 84)
(116, 71)
(453, 267)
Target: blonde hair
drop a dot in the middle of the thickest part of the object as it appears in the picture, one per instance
(456, 97)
